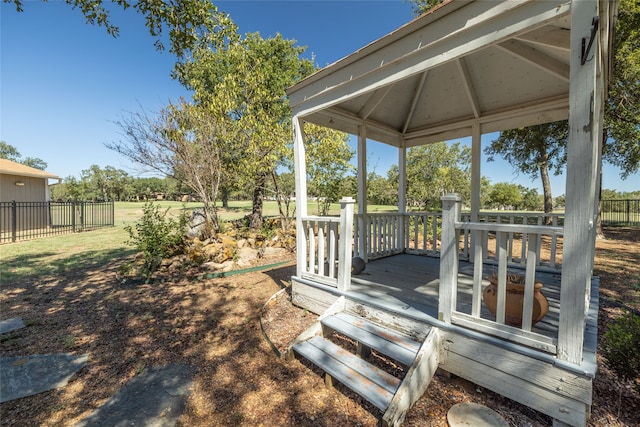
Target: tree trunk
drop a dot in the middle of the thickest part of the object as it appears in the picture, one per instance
(225, 198)
(546, 187)
(258, 199)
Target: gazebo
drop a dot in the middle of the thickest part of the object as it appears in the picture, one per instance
(463, 69)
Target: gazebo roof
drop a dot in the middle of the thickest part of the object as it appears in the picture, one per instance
(500, 64)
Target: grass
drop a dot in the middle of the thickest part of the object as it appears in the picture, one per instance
(69, 253)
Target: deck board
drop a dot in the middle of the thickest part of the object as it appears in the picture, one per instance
(412, 282)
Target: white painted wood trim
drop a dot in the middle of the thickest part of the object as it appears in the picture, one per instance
(416, 380)
(362, 193)
(582, 159)
(346, 243)
(516, 335)
(511, 228)
(300, 174)
(448, 257)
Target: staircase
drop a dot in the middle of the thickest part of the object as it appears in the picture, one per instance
(393, 395)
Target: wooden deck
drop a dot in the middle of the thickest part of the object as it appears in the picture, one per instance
(408, 285)
(402, 291)
(412, 282)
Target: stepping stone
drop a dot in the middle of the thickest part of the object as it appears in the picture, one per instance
(10, 325)
(23, 376)
(155, 398)
(474, 415)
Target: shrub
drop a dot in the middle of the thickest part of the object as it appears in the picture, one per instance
(156, 236)
(621, 347)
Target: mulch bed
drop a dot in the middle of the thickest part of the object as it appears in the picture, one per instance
(214, 325)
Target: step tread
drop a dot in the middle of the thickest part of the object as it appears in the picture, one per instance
(370, 382)
(390, 343)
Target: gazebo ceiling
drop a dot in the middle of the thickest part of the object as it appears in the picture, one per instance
(499, 64)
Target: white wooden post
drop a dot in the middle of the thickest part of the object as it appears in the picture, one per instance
(346, 243)
(363, 250)
(448, 256)
(301, 193)
(476, 177)
(581, 182)
(402, 195)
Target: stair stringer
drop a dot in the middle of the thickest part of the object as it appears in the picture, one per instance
(316, 328)
(416, 380)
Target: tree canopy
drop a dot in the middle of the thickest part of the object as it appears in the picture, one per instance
(434, 170)
(184, 22)
(9, 152)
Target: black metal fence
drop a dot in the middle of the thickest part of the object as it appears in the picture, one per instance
(620, 212)
(30, 220)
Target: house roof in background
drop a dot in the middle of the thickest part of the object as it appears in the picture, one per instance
(12, 168)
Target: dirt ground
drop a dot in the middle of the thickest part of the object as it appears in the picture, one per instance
(219, 325)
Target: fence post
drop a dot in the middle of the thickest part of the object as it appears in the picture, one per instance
(449, 253)
(346, 242)
(14, 220)
(73, 215)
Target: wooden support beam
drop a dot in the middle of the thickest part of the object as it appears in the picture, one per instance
(468, 87)
(536, 58)
(581, 183)
(448, 257)
(301, 189)
(414, 101)
(373, 101)
(362, 192)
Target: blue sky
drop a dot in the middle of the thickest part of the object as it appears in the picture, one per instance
(64, 83)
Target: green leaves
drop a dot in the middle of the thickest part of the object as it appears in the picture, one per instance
(186, 22)
(436, 169)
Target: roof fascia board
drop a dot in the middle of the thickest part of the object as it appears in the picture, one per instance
(384, 67)
(380, 43)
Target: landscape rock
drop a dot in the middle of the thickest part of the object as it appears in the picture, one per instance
(246, 257)
(274, 252)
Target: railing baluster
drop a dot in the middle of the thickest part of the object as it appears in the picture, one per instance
(501, 243)
(530, 277)
(476, 302)
(312, 248)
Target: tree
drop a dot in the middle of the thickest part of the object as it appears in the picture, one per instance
(421, 6)
(621, 139)
(328, 157)
(504, 195)
(434, 170)
(10, 152)
(535, 151)
(184, 21)
(531, 200)
(183, 142)
(242, 81)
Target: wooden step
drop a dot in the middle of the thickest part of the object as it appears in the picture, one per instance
(370, 382)
(390, 343)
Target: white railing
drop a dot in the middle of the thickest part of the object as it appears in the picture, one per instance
(517, 239)
(422, 233)
(379, 233)
(328, 247)
(452, 228)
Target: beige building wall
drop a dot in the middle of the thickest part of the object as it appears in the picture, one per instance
(32, 189)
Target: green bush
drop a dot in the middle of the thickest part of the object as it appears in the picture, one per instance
(156, 236)
(621, 347)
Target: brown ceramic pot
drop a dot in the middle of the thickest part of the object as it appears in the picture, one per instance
(514, 303)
